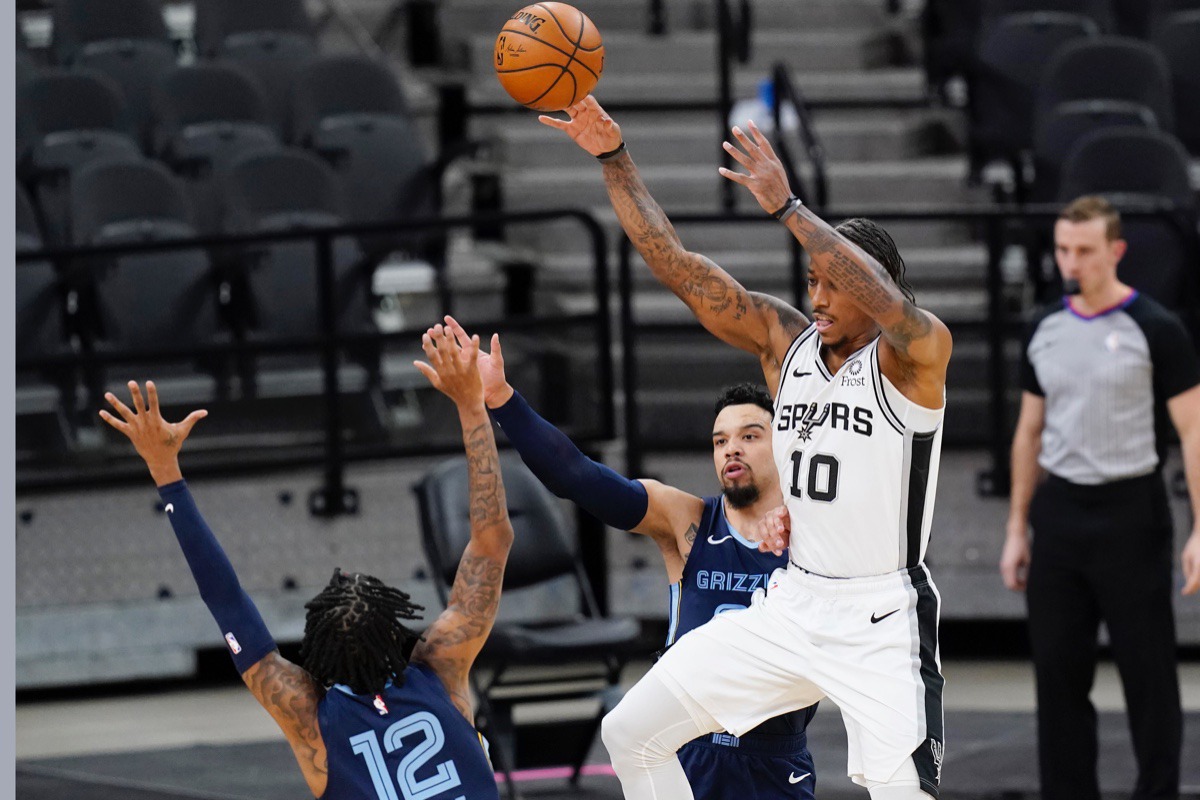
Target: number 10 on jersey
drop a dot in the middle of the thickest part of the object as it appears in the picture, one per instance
(822, 476)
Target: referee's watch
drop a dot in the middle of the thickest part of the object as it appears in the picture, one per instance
(790, 207)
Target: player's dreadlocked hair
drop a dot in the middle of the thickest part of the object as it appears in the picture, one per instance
(353, 634)
(878, 244)
(744, 394)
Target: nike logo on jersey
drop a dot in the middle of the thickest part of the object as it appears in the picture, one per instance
(793, 779)
(875, 619)
(799, 374)
(724, 538)
(169, 508)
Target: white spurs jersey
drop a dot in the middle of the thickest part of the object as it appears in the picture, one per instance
(857, 461)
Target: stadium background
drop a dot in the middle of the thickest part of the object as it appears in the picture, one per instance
(957, 124)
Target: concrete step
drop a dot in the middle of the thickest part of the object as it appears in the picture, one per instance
(698, 187)
(695, 52)
(845, 136)
(620, 84)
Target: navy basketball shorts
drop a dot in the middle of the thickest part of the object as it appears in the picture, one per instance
(720, 766)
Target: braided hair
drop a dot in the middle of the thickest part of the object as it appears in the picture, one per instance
(353, 634)
(878, 244)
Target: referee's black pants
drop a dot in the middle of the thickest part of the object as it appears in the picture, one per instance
(1103, 553)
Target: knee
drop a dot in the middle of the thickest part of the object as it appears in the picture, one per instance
(617, 732)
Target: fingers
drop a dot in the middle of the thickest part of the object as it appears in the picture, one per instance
(152, 397)
(190, 420)
(460, 334)
(121, 408)
(736, 177)
(553, 122)
(431, 351)
(763, 142)
(472, 352)
(114, 422)
(135, 392)
(497, 353)
(430, 374)
(1191, 575)
(737, 155)
(748, 144)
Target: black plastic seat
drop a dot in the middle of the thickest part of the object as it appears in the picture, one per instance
(78, 23)
(1058, 133)
(1100, 12)
(1179, 40)
(335, 86)
(136, 65)
(216, 20)
(541, 554)
(273, 58)
(1008, 68)
(1109, 68)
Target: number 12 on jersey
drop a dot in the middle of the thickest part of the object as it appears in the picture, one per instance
(822, 476)
(444, 779)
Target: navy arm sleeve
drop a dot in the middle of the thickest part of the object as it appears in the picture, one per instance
(245, 633)
(558, 463)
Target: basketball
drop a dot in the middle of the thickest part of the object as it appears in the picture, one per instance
(549, 56)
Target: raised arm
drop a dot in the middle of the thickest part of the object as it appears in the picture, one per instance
(284, 689)
(918, 338)
(664, 513)
(756, 323)
(455, 638)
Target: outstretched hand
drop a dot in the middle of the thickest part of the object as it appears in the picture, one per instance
(496, 390)
(452, 369)
(590, 126)
(156, 440)
(772, 531)
(766, 178)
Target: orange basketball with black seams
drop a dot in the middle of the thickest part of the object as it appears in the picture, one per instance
(549, 56)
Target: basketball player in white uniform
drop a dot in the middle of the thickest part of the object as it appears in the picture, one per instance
(859, 398)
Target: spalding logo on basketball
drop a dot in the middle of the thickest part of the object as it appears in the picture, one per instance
(549, 56)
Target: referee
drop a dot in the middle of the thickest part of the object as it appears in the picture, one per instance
(1101, 372)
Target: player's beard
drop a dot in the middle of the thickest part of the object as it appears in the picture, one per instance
(740, 497)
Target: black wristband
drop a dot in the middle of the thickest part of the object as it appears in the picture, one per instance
(611, 154)
(790, 201)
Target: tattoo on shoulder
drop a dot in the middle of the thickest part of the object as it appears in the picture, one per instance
(290, 694)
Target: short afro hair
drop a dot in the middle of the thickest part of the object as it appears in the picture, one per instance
(745, 394)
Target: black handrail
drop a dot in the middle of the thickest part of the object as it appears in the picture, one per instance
(333, 497)
(785, 92)
(733, 41)
(998, 326)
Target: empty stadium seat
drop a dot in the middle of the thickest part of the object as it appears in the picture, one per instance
(335, 86)
(80, 22)
(1008, 68)
(1109, 68)
(1179, 40)
(1135, 163)
(216, 20)
(273, 58)
(1057, 134)
(1101, 12)
(74, 119)
(136, 65)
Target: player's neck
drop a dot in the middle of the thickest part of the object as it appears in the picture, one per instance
(743, 519)
(835, 355)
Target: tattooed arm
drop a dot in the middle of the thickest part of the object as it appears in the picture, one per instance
(757, 323)
(919, 341)
(285, 690)
(455, 638)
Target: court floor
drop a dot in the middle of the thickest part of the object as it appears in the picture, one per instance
(217, 744)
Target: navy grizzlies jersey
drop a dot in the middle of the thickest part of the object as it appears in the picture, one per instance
(721, 574)
(409, 743)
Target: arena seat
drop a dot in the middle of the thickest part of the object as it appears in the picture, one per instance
(1007, 70)
(1057, 133)
(1132, 164)
(1179, 40)
(273, 58)
(1108, 68)
(216, 20)
(541, 553)
(1100, 12)
(80, 22)
(136, 65)
(73, 119)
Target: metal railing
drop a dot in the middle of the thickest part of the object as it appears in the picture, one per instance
(330, 342)
(998, 325)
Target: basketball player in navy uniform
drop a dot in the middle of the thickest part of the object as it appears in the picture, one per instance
(377, 711)
(711, 567)
(859, 399)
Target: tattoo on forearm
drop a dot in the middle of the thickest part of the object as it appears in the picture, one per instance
(487, 503)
